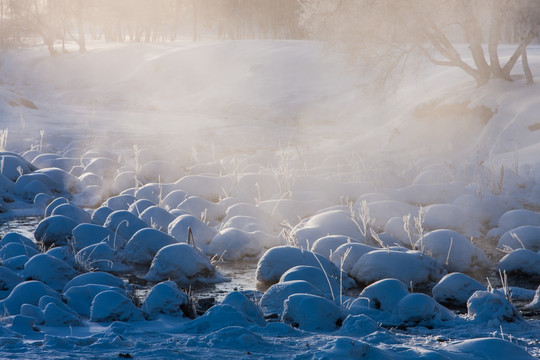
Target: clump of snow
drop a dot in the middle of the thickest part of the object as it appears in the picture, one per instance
(453, 250)
(273, 299)
(235, 244)
(58, 273)
(489, 349)
(157, 218)
(330, 287)
(335, 222)
(346, 255)
(522, 261)
(181, 263)
(165, 298)
(124, 223)
(523, 237)
(27, 292)
(491, 308)
(408, 266)
(312, 313)
(55, 230)
(202, 233)
(110, 306)
(421, 309)
(385, 294)
(455, 289)
(276, 261)
(250, 310)
(144, 245)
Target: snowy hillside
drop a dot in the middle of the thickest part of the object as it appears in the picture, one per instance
(352, 223)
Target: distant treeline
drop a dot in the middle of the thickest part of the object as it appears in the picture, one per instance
(57, 21)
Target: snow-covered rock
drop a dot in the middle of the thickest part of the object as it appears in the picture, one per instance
(329, 286)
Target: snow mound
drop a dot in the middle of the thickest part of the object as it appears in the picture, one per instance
(165, 298)
(216, 318)
(28, 292)
(157, 218)
(124, 223)
(406, 266)
(454, 250)
(144, 245)
(421, 309)
(110, 306)
(385, 294)
(90, 234)
(527, 237)
(80, 297)
(235, 244)
(202, 233)
(181, 263)
(346, 255)
(55, 230)
(492, 308)
(327, 245)
(334, 222)
(489, 349)
(522, 261)
(250, 310)
(273, 299)
(57, 275)
(97, 277)
(312, 313)
(100, 257)
(276, 261)
(455, 289)
(316, 277)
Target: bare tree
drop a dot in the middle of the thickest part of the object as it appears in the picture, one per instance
(387, 34)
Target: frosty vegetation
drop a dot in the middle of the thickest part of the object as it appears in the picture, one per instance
(234, 179)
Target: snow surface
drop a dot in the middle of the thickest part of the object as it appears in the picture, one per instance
(161, 164)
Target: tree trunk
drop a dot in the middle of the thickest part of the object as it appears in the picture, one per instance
(80, 28)
(526, 69)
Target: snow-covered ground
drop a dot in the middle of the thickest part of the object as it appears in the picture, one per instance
(373, 225)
